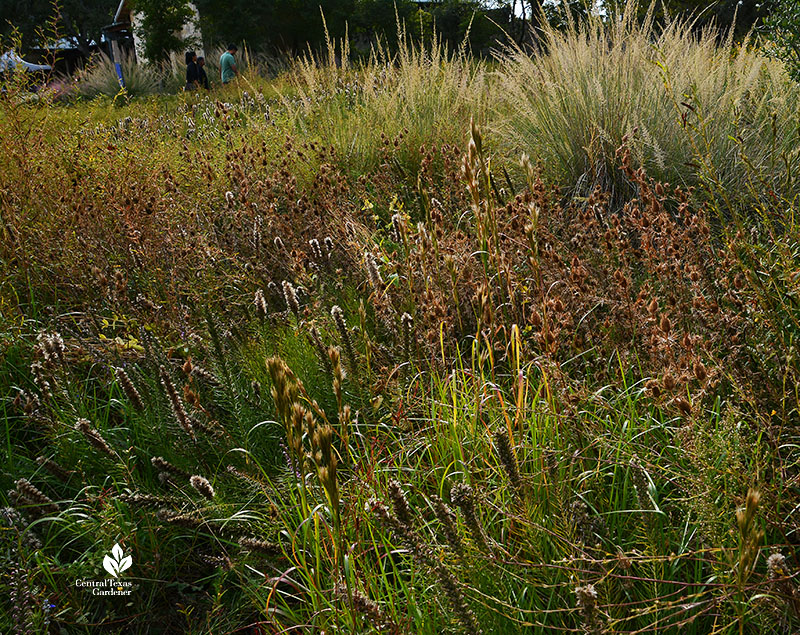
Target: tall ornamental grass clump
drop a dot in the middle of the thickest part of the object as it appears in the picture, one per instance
(100, 78)
(420, 95)
(704, 109)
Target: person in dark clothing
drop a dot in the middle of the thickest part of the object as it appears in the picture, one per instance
(202, 78)
(192, 74)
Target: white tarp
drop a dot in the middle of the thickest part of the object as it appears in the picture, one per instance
(10, 61)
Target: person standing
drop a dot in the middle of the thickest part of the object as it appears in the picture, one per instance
(227, 64)
(202, 77)
(192, 74)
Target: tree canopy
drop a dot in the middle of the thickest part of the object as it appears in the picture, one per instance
(294, 25)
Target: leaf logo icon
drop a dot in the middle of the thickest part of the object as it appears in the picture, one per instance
(116, 563)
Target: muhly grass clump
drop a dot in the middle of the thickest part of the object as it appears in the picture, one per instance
(453, 398)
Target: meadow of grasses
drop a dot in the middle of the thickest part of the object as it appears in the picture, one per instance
(423, 344)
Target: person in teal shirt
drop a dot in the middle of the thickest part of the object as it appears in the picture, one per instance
(227, 64)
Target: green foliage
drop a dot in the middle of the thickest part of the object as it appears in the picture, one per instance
(162, 21)
(727, 15)
(80, 21)
(782, 29)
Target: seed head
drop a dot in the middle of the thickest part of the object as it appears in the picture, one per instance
(463, 497)
(316, 250)
(587, 603)
(202, 486)
(129, 389)
(261, 546)
(261, 304)
(446, 518)
(373, 272)
(54, 468)
(290, 295)
(29, 494)
(178, 408)
(94, 438)
(401, 509)
(508, 458)
(338, 318)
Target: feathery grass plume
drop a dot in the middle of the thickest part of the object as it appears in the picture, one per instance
(285, 390)
(202, 486)
(176, 402)
(426, 558)
(187, 521)
(29, 494)
(640, 484)
(205, 375)
(461, 609)
(11, 518)
(52, 347)
(398, 229)
(338, 318)
(220, 562)
(373, 271)
(94, 438)
(62, 474)
(255, 388)
(325, 458)
(40, 379)
(295, 426)
(399, 503)
(328, 247)
(129, 389)
(261, 304)
(145, 501)
(322, 352)
(343, 410)
(447, 519)
(507, 457)
(407, 324)
(162, 465)
(463, 497)
(749, 535)
(290, 295)
(243, 476)
(261, 546)
(781, 580)
(367, 608)
(22, 601)
(316, 250)
(590, 615)
(258, 222)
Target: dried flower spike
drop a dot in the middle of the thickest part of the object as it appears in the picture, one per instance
(463, 497)
(507, 457)
(129, 389)
(178, 408)
(202, 486)
(94, 438)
